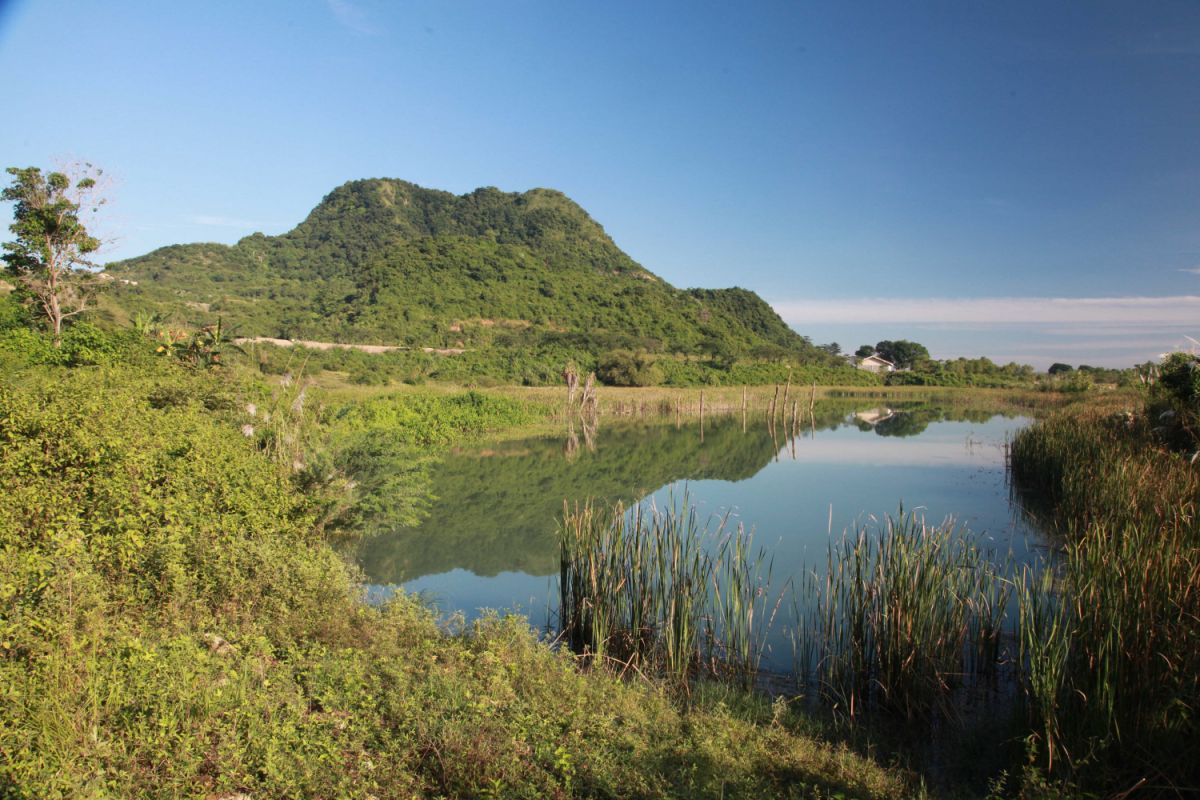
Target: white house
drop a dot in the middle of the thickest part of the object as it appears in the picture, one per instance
(876, 364)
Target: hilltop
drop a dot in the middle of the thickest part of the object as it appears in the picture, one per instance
(385, 261)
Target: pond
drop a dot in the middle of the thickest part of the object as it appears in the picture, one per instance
(490, 539)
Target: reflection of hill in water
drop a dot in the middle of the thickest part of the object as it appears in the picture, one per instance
(496, 506)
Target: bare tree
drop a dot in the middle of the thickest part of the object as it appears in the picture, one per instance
(49, 258)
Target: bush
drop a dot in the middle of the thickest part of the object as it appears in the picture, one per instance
(23, 347)
(1179, 378)
(626, 368)
(172, 625)
(83, 344)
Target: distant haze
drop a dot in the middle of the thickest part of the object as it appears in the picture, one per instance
(1100, 331)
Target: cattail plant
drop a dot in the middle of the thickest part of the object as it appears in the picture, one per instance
(902, 616)
(661, 590)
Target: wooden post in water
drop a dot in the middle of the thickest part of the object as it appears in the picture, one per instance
(743, 408)
(774, 441)
(786, 389)
(812, 403)
(774, 400)
(792, 428)
(701, 416)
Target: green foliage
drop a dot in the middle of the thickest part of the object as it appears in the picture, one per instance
(904, 616)
(1179, 378)
(539, 362)
(172, 623)
(623, 368)
(82, 344)
(1058, 368)
(1114, 672)
(1174, 402)
(637, 586)
(12, 313)
(978, 372)
(427, 420)
(384, 261)
(52, 243)
(21, 347)
(903, 353)
(372, 469)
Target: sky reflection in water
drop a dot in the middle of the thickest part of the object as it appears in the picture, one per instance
(489, 541)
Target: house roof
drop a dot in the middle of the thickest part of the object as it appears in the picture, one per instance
(877, 360)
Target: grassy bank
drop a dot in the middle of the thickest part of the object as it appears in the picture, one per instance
(1112, 638)
(176, 624)
(1091, 660)
(669, 402)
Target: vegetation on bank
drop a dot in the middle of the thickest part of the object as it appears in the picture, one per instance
(660, 592)
(1100, 641)
(904, 615)
(175, 623)
(1110, 638)
(539, 361)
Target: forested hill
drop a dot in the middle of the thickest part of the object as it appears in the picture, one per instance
(385, 261)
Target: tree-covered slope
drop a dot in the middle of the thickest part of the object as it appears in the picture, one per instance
(386, 261)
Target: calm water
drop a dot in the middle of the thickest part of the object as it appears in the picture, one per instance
(489, 541)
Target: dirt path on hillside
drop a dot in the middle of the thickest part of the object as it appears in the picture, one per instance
(366, 348)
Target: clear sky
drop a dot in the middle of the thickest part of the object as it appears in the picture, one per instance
(1016, 180)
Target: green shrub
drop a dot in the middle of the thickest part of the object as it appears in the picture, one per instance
(22, 347)
(626, 368)
(172, 624)
(1179, 378)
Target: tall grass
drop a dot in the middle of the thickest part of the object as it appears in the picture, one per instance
(1112, 645)
(662, 591)
(902, 616)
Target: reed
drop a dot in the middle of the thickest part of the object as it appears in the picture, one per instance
(902, 616)
(662, 591)
(1111, 647)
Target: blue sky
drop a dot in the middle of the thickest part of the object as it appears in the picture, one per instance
(1016, 180)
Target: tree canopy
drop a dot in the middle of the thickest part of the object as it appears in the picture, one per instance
(52, 243)
(903, 353)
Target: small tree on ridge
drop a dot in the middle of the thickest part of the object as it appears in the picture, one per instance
(50, 255)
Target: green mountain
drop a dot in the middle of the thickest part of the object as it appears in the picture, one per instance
(387, 262)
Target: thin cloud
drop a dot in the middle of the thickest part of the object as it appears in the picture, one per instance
(1117, 333)
(351, 16)
(1159, 311)
(1140, 344)
(1192, 270)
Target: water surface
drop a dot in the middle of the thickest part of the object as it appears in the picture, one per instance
(490, 541)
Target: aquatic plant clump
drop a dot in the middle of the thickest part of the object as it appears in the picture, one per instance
(652, 589)
(901, 618)
(1110, 647)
